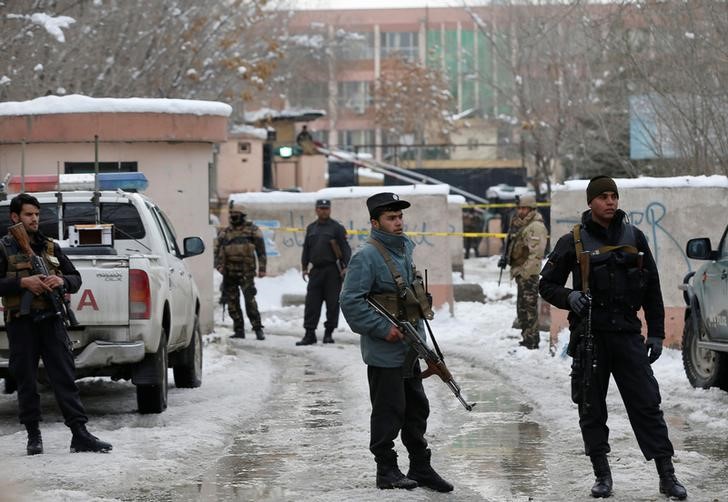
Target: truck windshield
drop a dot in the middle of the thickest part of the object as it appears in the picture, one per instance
(125, 218)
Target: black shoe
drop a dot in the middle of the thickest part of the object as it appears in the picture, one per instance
(83, 440)
(673, 488)
(259, 334)
(308, 339)
(391, 477)
(602, 487)
(239, 333)
(421, 471)
(669, 485)
(603, 482)
(328, 338)
(35, 443)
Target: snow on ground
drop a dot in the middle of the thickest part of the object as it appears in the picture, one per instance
(180, 444)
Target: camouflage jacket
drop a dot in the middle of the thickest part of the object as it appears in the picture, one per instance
(236, 248)
(527, 245)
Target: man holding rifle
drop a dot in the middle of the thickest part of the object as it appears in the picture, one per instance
(606, 332)
(326, 248)
(383, 269)
(40, 331)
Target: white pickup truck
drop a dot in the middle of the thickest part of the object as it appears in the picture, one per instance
(138, 306)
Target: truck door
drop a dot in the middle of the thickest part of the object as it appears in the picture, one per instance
(180, 288)
(715, 285)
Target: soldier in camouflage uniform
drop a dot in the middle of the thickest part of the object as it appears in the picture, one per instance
(524, 255)
(236, 249)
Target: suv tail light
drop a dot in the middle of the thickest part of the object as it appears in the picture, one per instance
(140, 298)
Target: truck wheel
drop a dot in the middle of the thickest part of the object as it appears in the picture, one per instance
(10, 385)
(188, 373)
(153, 398)
(704, 368)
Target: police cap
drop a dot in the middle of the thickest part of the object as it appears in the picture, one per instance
(385, 201)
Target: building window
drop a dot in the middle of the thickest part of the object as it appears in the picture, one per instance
(104, 167)
(357, 140)
(355, 96)
(243, 147)
(355, 46)
(309, 94)
(400, 44)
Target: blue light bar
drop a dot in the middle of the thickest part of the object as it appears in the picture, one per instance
(132, 182)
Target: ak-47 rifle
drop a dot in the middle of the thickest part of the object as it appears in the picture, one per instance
(435, 365)
(588, 352)
(339, 257)
(60, 305)
(506, 249)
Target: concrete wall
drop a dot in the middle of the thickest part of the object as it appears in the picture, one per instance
(178, 180)
(669, 212)
(290, 211)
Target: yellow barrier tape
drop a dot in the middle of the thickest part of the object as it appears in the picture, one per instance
(503, 204)
(366, 232)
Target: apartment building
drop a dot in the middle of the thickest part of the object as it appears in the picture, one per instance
(357, 45)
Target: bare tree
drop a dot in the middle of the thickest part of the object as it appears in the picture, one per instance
(222, 49)
(413, 100)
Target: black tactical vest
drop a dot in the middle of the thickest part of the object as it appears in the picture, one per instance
(617, 278)
(19, 266)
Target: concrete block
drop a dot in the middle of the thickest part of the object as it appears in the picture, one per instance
(289, 300)
(468, 293)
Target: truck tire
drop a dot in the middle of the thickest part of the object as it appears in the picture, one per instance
(188, 372)
(152, 398)
(9, 385)
(704, 368)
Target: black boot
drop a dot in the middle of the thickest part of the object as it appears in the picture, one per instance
(603, 483)
(421, 471)
(35, 441)
(328, 338)
(308, 339)
(259, 334)
(389, 475)
(83, 440)
(238, 332)
(669, 485)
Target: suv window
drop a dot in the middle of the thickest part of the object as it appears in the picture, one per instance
(724, 244)
(124, 216)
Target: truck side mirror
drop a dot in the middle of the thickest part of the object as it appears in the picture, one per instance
(193, 246)
(700, 249)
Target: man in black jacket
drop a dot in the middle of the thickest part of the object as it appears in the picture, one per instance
(326, 248)
(623, 278)
(37, 334)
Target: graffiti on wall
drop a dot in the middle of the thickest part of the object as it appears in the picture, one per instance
(650, 221)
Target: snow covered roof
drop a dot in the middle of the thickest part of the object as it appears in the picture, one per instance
(506, 192)
(297, 114)
(336, 193)
(248, 130)
(716, 180)
(76, 103)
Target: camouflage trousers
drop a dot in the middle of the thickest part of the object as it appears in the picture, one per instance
(231, 289)
(527, 309)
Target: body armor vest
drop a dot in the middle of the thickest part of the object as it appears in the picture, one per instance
(409, 303)
(19, 266)
(617, 279)
(238, 249)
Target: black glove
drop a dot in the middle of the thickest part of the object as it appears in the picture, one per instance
(654, 348)
(502, 262)
(578, 302)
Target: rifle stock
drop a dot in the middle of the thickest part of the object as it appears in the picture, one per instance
(339, 255)
(57, 297)
(435, 365)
